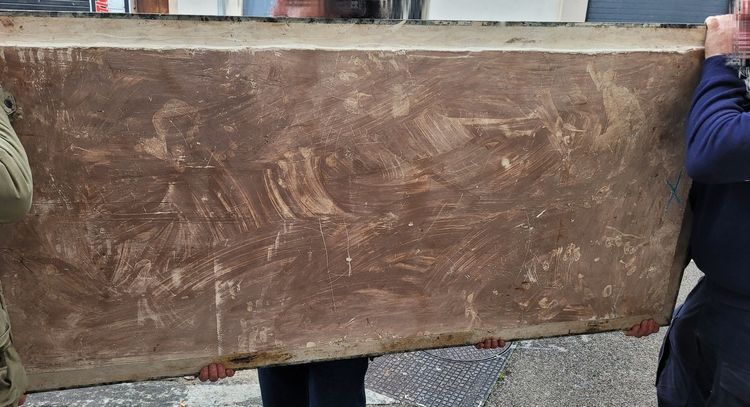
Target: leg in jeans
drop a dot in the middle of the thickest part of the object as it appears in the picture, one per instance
(683, 366)
(284, 386)
(339, 383)
(705, 360)
(730, 332)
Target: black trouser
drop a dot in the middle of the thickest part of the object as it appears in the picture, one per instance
(339, 383)
(705, 358)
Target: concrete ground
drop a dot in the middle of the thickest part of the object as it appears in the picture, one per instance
(590, 370)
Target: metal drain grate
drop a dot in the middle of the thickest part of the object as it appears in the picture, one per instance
(453, 377)
(467, 354)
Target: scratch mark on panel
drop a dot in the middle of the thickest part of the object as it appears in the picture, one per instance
(328, 269)
(435, 219)
(348, 254)
(218, 302)
(275, 247)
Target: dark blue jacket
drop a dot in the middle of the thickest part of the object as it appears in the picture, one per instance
(718, 160)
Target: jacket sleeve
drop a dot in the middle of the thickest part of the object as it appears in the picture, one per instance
(15, 174)
(718, 128)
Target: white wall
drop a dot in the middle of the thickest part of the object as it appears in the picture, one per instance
(207, 7)
(509, 10)
(198, 7)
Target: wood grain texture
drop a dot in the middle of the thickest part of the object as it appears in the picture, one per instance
(151, 6)
(281, 206)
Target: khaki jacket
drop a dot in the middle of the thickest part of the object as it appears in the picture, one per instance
(15, 201)
(15, 174)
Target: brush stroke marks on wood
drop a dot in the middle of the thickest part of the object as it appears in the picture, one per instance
(202, 203)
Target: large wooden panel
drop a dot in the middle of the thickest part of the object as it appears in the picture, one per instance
(264, 206)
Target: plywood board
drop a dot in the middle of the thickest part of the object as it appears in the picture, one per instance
(264, 192)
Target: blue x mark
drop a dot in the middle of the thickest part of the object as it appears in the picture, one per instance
(674, 197)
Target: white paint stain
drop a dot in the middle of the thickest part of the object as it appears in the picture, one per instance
(625, 116)
(572, 253)
(146, 313)
(263, 335)
(217, 303)
(505, 163)
(470, 310)
(177, 277)
(348, 253)
(347, 76)
(353, 104)
(545, 303)
(275, 247)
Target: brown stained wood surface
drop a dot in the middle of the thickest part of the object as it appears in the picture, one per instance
(289, 205)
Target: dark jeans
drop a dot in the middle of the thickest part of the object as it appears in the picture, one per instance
(340, 383)
(705, 358)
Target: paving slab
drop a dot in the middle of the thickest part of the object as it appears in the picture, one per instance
(590, 370)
